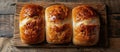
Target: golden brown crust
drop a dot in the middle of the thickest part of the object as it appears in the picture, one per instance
(30, 10)
(83, 12)
(32, 24)
(58, 24)
(86, 26)
(59, 35)
(86, 33)
(57, 13)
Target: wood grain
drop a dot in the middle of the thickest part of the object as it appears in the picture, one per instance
(114, 47)
(114, 25)
(100, 8)
(114, 43)
(113, 6)
(6, 6)
(6, 25)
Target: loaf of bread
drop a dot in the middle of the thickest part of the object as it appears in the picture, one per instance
(58, 24)
(86, 26)
(31, 24)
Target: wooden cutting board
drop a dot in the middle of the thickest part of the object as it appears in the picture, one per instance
(99, 7)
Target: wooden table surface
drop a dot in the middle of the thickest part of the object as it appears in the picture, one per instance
(7, 10)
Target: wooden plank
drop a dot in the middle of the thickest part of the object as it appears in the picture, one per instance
(6, 6)
(114, 43)
(114, 47)
(112, 50)
(101, 9)
(113, 5)
(10, 48)
(14, 49)
(51, 50)
(6, 25)
(114, 25)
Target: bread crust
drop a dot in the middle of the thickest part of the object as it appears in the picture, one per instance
(83, 12)
(32, 24)
(58, 24)
(86, 26)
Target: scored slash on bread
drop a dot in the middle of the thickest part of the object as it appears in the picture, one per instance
(86, 26)
(32, 25)
(58, 24)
